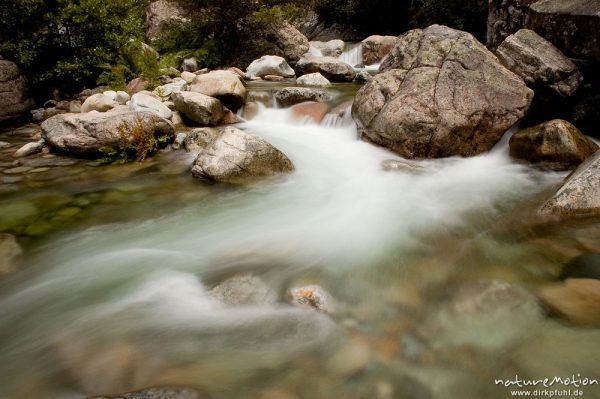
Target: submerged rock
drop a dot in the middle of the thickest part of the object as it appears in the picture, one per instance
(91, 134)
(441, 93)
(244, 290)
(312, 296)
(577, 299)
(199, 108)
(580, 193)
(556, 143)
(375, 48)
(539, 63)
(331, 68)
(10, 250)
(394, 165)
(237, 156)
(158, 393)
(225, 86)
(295, 95)
(270, 65)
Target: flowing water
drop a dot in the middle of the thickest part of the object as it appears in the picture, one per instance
(119, 299)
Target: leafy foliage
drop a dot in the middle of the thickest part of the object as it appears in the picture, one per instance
(136, 143)
(65, 43)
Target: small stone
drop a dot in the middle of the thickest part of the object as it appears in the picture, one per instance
(312, 296)
(29, 149)
(179, 140)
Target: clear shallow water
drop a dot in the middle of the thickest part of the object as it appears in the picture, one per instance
(120, 301)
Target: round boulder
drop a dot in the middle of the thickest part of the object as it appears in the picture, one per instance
(225, 86)
(270, 65)
(145, 103)
(331, 68)
(199, 108)
(441, 93)
(237, 156)
(313, 79)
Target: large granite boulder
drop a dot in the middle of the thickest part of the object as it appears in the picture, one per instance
(270, 65)
(14, 99)
(556, 143)
(225, 86)
(441, 93)
(580, 193)
(163, 14)
(331, 68)
(539, 63)
(375, 48)
(505, 17)
(93, 134)
(571, 25)
(237, 156)
(199, 108)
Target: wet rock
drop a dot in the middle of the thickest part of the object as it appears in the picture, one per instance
(162, 15)
(571, 25)
(332, 48)
(264, 97)
(273, 78)
(363, 77)
(144, 103)
(331, 68)
(179, 140)
(539, 63)
(375, 48)
(310, 110)
(199, 108)
(556, 143)
(10, 250)
(226, 86)
(98, 102)
(295, 95)
(237, 157)
(270, 65)
(505, 18)
(246, 290)
(441, 93)
(158, 393)
(250, 110)
(313, 79)
(577, 299)
(29, 149)
(229, 118)
(394, 165)
(312, 296)
(487, 314)
(90, 134)
(580, 193)
(198, 139)
(352, 357)
(14, 96)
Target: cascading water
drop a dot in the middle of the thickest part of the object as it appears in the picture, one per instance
(352, 55)
(125, 306)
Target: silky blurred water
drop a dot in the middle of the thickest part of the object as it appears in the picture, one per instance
(113, 305)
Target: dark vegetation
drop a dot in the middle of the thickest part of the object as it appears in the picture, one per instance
(71, 44)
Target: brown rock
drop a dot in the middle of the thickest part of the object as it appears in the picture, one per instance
(441, 93)
(137, 85)
(376, 47)
(577, 299)
(557, 143)
(312, 110)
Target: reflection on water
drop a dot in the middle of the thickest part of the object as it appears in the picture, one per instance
(120, 299)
